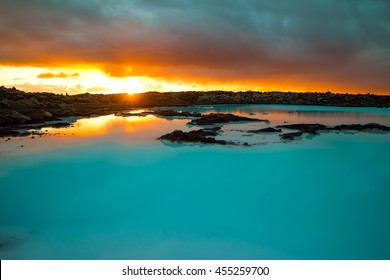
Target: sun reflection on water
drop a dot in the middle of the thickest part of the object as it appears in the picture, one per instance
(85, 131)
(141, 130)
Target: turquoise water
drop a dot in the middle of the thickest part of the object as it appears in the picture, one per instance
(112, 191)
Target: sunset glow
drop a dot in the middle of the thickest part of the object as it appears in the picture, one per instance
(137, 46)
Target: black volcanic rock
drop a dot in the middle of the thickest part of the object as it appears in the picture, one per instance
(291, 135)
(130, 114)
(194, 136)
(172, 113)
(160, 113)
(314, 128)
(307, 128)
(41, 115)
(59, 125)
(42, 125)
(8, 133)
(213, 129)
(218, 118)
(13, 133)
(9, 118)
(265, 130)
(361, 127)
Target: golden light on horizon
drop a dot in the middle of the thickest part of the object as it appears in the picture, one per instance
(78, 79)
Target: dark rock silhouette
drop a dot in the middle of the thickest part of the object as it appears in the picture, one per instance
(161, 113)
(9, 133)
(316, 127)
(361, 127)
(291, 135)
(130, 114)
(172, 113)
(303, 127)
(218, 118)
(194, 136)
(265, 130)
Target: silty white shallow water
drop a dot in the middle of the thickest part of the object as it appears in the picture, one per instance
(112, 191)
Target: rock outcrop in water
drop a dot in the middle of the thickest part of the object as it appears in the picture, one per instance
(361, 127)
(219, 118)
(161, 113)
(201, 136)
(304, 127)
(172, 113)
(315, 128)
(205, 136)
(265, 130)
(11, 133)
(291, 135)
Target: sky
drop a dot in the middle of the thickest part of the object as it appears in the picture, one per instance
(73, 46)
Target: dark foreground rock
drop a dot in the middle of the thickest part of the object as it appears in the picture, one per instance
(194, 136)
(265, 130)
(361, 127)
(42, 125)
(13, 133)
(161, 113)
(9, 133)
(26, 130)
(315, 128)
(218, 118)
(291, 135)
(130, 114)
(216, 129)
(60, 125)
(172, 113)
(307, 128)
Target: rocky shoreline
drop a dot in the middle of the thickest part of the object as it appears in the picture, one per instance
(21, 113)
(18, 107)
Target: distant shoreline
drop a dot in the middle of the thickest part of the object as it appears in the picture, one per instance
(19, 108)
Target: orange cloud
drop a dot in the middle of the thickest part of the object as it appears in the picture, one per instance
(57, 75)
(115, 70)
(250, 43)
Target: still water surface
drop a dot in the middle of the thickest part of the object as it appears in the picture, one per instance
(107, 189)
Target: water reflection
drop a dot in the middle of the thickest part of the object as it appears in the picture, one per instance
(279, 114)
(107, 189)
(86, 131)
(146, 129)
(108, 125)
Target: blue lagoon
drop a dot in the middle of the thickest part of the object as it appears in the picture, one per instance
(106, 188)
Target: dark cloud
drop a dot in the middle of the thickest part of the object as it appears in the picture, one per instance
(344, 43)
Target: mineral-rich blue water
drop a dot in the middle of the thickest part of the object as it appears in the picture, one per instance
(107, 189)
